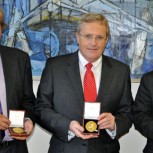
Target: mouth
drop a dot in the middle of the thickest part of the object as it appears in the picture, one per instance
(92, 49)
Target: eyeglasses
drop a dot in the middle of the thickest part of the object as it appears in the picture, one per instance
(89, 37)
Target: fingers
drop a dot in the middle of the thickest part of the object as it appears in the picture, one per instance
(85, 136)
(106, 121)
(28, 126)
(88, 136)
(19, 138)
(4, 122)
(78, 130)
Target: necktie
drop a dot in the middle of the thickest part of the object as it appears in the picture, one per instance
(2, 132)
(90, 93)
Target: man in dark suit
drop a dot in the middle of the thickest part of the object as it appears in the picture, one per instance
(15, 93)
(143, 110)
(60, 103)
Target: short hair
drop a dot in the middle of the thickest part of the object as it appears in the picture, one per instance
(93, 17)
(2, 23)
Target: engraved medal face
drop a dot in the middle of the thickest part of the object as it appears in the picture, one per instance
(18, 130)
(91, 126)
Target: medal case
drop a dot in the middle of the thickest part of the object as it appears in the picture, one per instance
(17, 123)
(90, 117)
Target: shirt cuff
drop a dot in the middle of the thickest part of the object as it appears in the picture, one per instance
(112, 134)
(71, 135)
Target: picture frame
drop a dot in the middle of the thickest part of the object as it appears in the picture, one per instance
(47, 29)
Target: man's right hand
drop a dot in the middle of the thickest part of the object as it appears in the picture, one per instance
(4, 122)
(77, 129)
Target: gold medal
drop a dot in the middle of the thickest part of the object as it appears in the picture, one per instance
(18, 130)
(91, 126)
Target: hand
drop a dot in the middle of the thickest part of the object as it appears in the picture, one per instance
(28, 126)
(106, 121)
(77, 129)
(4, 122)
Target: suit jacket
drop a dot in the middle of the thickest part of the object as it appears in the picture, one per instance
(18, 82)
(60, 100)
(143, 110)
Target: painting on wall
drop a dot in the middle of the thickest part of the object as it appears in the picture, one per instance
(46, 28)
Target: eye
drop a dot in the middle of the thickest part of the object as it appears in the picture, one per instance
(100, 37)
(88, 36)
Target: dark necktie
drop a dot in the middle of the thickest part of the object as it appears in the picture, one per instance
(90, 93)
(2, 132)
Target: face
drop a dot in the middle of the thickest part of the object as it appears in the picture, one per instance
(89, 39)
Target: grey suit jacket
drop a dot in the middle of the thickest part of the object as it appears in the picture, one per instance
(60, 100)
(18, 82)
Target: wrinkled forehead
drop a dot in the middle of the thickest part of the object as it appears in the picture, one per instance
(90, 23)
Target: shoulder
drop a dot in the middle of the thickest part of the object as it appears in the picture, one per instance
(63, 59)
(147, 81)
(114, 63)
(148, 76)
(13, 52)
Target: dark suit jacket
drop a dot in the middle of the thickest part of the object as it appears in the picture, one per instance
(18, 82)
(143, 110)
(60, 100)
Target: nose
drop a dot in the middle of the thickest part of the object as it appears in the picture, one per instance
(93, 41)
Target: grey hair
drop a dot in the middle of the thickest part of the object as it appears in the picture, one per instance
(93, 17)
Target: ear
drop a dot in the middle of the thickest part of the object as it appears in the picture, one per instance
(107, 39)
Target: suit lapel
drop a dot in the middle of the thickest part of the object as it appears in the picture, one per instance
(106, 78)
(74, 76)
(9, 69)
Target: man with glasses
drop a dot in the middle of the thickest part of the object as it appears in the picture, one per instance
(16, 93)
(65, 86)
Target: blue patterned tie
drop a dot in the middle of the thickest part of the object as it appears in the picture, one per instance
(2, 132)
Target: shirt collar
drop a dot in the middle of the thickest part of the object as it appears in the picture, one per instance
(83, 61)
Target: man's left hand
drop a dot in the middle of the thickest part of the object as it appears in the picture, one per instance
(106, 121)
(28, 126)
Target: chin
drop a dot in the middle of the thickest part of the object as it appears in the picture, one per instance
(93, 59)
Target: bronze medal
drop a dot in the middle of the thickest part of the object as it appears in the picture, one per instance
(18, 130)
(91, 126)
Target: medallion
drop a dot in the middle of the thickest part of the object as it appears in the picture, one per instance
(91, 126)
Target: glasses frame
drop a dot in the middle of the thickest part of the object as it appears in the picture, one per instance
(90, 37)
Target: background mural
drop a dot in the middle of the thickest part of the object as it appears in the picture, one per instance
(46, 28)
